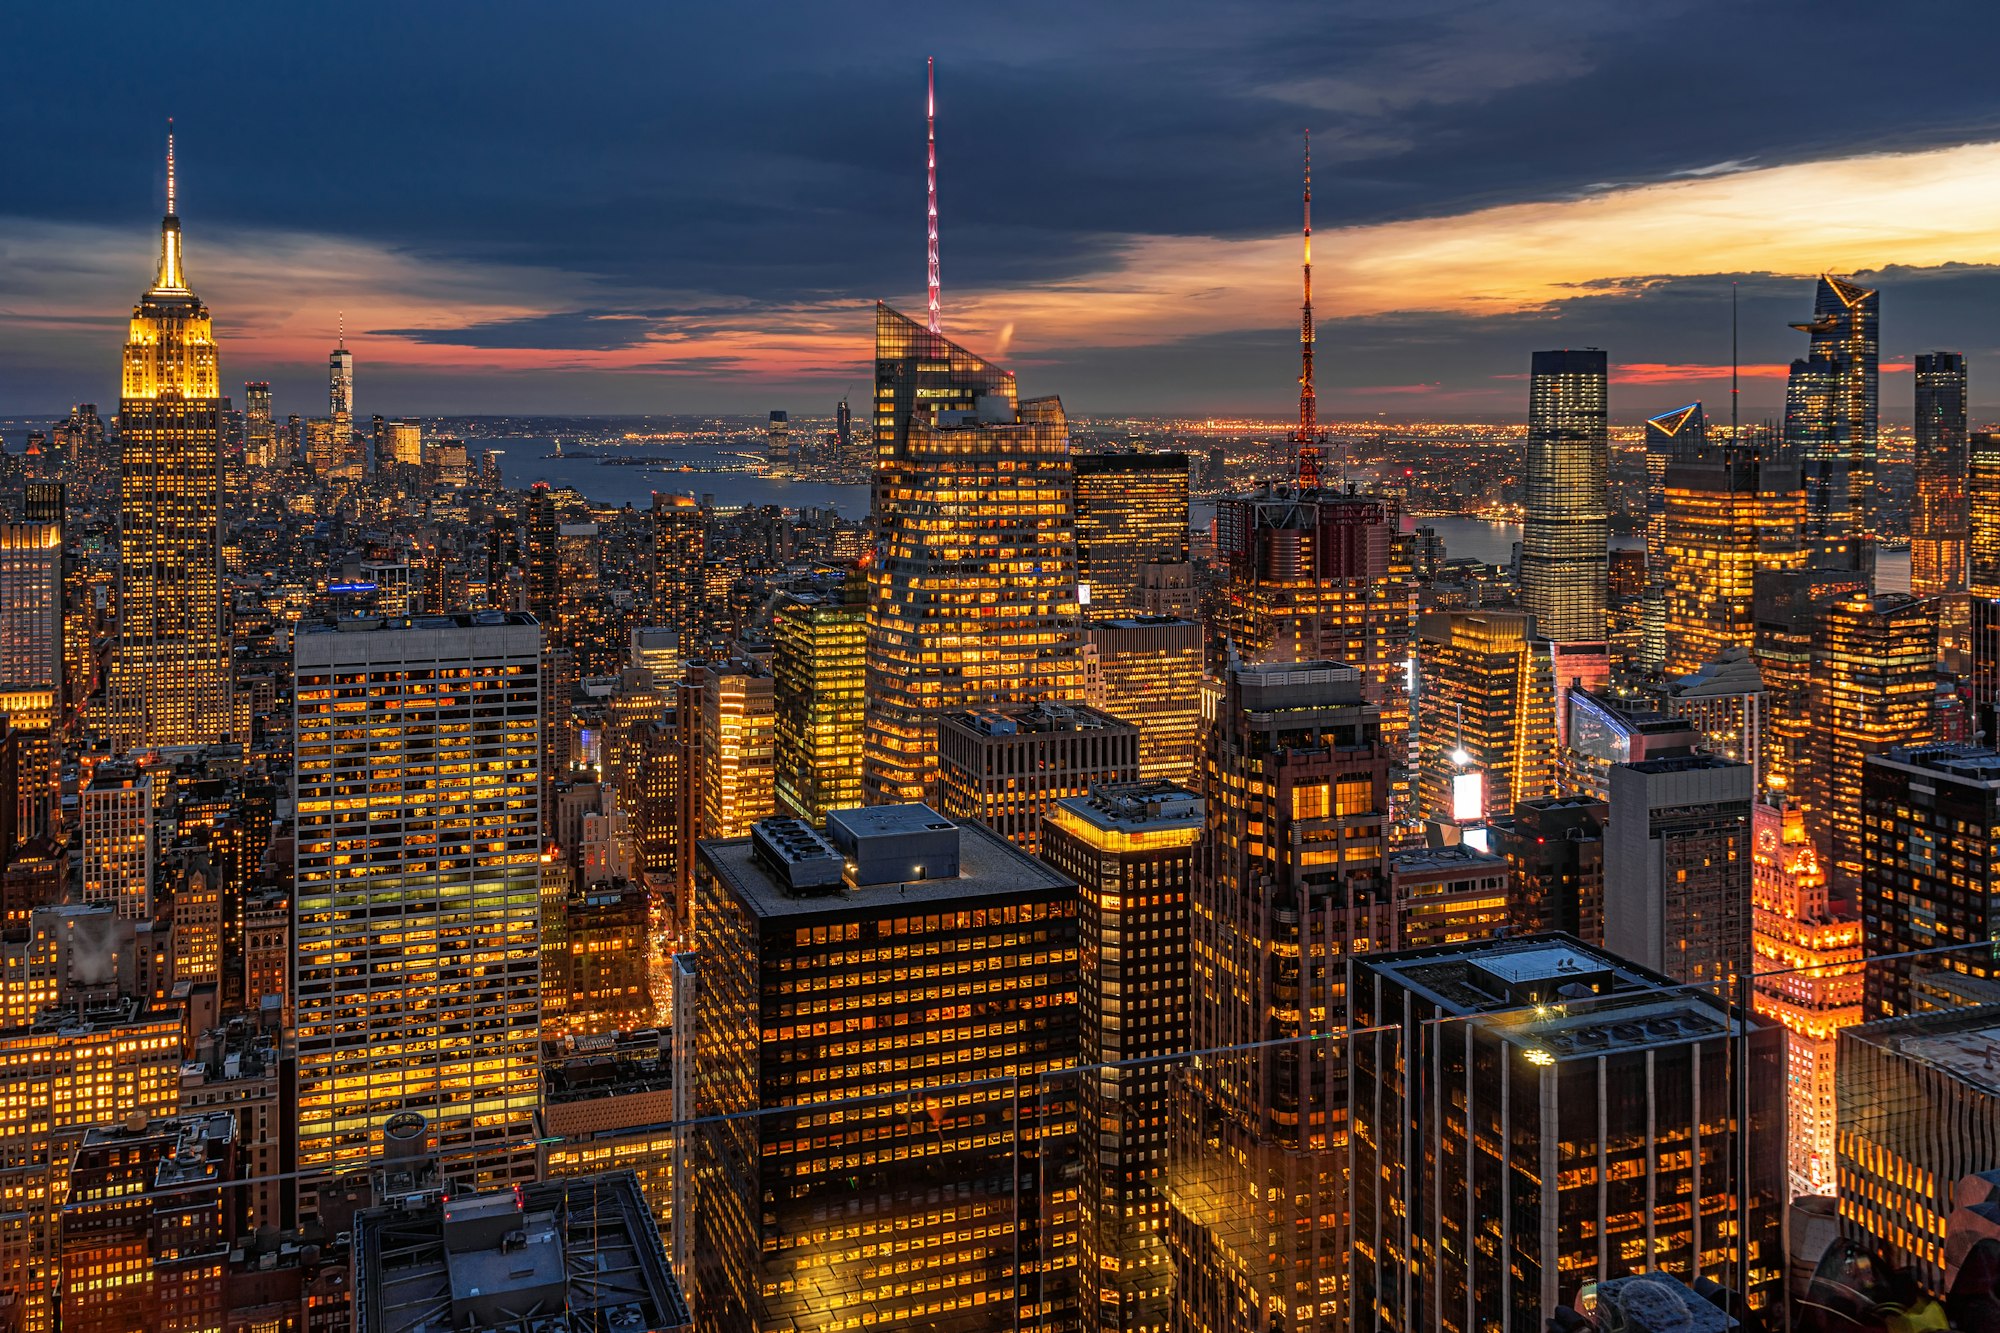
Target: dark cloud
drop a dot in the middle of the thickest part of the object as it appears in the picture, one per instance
(772, 153)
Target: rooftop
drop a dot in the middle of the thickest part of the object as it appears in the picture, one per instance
(1964, 1043)
(1036, 718)
(989, 867)
(1971, 763)
(1138, 806)
(1420, 860)
(511, 1261)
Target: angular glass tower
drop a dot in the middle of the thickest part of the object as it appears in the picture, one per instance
(972, 590)
(1830, 413)
(1940, 522)
(1565, 535)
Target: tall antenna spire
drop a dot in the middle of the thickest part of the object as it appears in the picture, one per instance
(1307, 441)
(340, 328)
(930, 143)
(170, 278)
(1735, 363)
(170, 166)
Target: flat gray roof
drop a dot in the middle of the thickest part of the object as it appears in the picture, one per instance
(988, 867)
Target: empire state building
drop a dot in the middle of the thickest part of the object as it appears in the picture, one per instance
(170, 679)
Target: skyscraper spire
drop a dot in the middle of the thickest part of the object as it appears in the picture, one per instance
(1308, 439)
(930, 141)
(170, 278)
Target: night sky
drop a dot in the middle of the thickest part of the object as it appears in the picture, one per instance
(675, 208)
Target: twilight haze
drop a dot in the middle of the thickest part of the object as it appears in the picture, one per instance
(653, 208)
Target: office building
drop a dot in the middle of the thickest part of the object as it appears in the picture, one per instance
(608, 1105)
(148, 1225)
(1725, 699)
(1314, 576)
(1565, 533)
(1873, 689)
(887, 1125)
(1131, 509)
(340, 384)
(1672, 437)
(541, 566)
(818, 669)
(169, 682)
(1292, 880)
(1677, 869)
(739, 725)
(973, 593)
(778, 439)
(600, 967)
(1830, 419)
(1606, 730)
(680, 597)
(1729, 515)
(260, 432)
(402, 445)
(417, 869)
(1006, 767)
(66, 1071)
(1940, 522)
(1790, 610)
(1486, 711)
(1534, 1114)
(1982, 487)
(1148, 671)
(116, 813)
(577, 1252)
(1446, 895)
(1928, 817)
(1554, 849)
(1919, 1111)
(1130, 847)
(32, 693)
(1807, 958)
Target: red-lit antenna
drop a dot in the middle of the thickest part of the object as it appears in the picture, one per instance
(930, 140)
(1309, 437)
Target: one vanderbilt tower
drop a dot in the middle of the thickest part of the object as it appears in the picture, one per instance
(169, 682)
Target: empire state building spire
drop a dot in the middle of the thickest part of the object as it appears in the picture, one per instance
(172, 279)
(1309, 437)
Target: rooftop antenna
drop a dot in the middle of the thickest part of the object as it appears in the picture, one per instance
(170, 166)
(930, 144)
(340, 328)
(1309, 436)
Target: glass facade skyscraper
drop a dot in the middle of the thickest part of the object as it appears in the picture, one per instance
(1830, 419)
(973, 587)
(1727, 517)
(1131, 509)
(1565, 532)
(1671, 437)
(1940, 520)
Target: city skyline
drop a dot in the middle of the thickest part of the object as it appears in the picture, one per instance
(715, 247)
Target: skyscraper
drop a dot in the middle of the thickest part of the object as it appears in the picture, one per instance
(1677, 869)
(1534, 1114)
(118, 841)
(945, 1161)
(1808, 980)
(679, 596)
(1313, 575)
(1728, 515)
(31, 660)
(1131, 509)
(170, 668)
(739, 728)
(1554, 847)
(1831, 401)
(1982, 487)
(818, 668)
(340, 384)
(1130, 847)
(1006, 767)
(1292, 880)
(417, 971)
(973, 593)
(1874, 684)
(260, 433)
(1671, 437)
(1940, 522)
(1148, 671)
(1487, 711)
(1565, 532)
(540, 556)
(1930, 855)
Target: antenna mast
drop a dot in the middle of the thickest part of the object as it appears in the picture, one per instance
(1309, 438)
(930, 142)
(170, 166)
